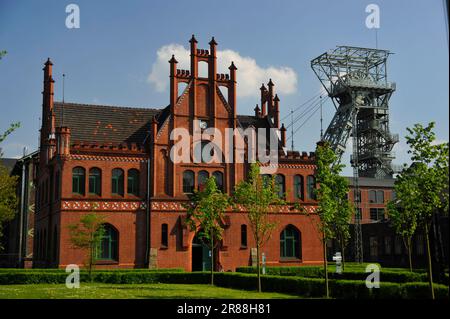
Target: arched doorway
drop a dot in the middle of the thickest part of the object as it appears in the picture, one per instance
(201, 255)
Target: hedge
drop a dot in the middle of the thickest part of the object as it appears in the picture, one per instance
(300, 286)
(318, 272)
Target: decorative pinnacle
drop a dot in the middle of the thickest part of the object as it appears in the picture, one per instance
(173, 60)
(48, 62)
(257, 108)
(193, 40)
(270, 83)
(276, 99)
(232, 66)
(282, 128)
(212, 42)
(262, 88)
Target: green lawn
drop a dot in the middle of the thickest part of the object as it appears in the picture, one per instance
(131, 291)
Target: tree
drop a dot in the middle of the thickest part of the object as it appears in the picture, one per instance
(8, 198)
(424, 185)
(403, 218)
(257, 195)
(87, 235)
(205, 213)
(334, 210)
(8, 184)
(343, 215)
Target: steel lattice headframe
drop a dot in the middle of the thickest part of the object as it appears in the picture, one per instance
(356, 80)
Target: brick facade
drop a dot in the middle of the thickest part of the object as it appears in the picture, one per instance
(106, 138)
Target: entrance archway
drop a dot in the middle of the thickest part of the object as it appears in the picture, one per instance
(201, 255)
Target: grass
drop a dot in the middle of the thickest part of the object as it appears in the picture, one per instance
(131, 291)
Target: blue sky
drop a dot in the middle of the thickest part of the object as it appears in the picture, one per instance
(108, 60)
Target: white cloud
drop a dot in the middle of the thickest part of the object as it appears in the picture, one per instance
(249, 74)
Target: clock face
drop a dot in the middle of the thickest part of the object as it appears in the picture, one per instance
(203, 124)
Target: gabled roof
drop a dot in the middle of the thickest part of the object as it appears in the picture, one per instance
(104, 123)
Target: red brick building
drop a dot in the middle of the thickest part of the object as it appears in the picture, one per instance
(117, 159)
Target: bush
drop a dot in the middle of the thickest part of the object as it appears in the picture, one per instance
(349, 274)
(300, 286)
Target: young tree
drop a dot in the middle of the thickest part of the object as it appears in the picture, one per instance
(87, 235)
(343, 215)
(402, 216)
(205, 212)
(333, 208)
(8, 184)
(8, 198)
(424, 184)
(257, 195)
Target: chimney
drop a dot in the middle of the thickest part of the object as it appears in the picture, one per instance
(270, 98)
(257, 111)
(283, 135)
(232, 89)
(276, 111)
(154, 129)
(173, 82)
(63, 141)
(263, 100)
(47, 102)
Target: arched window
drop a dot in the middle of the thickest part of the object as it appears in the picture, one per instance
(372, 196)
(78, 180)
(202, 177)
(266, 179)
(164, 235)
(298, 187)
(279, 182)
(108, 248)
(219, 179)
(311, 186)
(290, 243)
(95, 181)
(380, 196)
(133, 182)
(243, 235)
(117, 181)
(188, 182)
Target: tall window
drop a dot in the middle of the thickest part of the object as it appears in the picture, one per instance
(290, 243)
(133, 182)
(298, 187)
(219, 179)
(108, 248)
(279, 182)
(202, 177)
(311, 186)
(117, 182)
(78, 180)
(164, 235)
(373, 244)
(372, 196)
(380, 196)
(243, 235)
(95, 181)
(188, 182)
(377, 214)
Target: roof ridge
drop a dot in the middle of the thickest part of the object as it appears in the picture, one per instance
(110, 106)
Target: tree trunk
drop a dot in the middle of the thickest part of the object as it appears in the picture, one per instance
(258, 268)
(343, 255)
(430, 271)
(212, 258)
(325, 264)
(410, 254)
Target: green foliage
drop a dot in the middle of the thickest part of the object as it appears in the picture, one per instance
(349, 274)
(205, 214)
(4, 135)
(306, 287)
(422, 188)
(8, 198)
(257, 195)
(87, 235)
